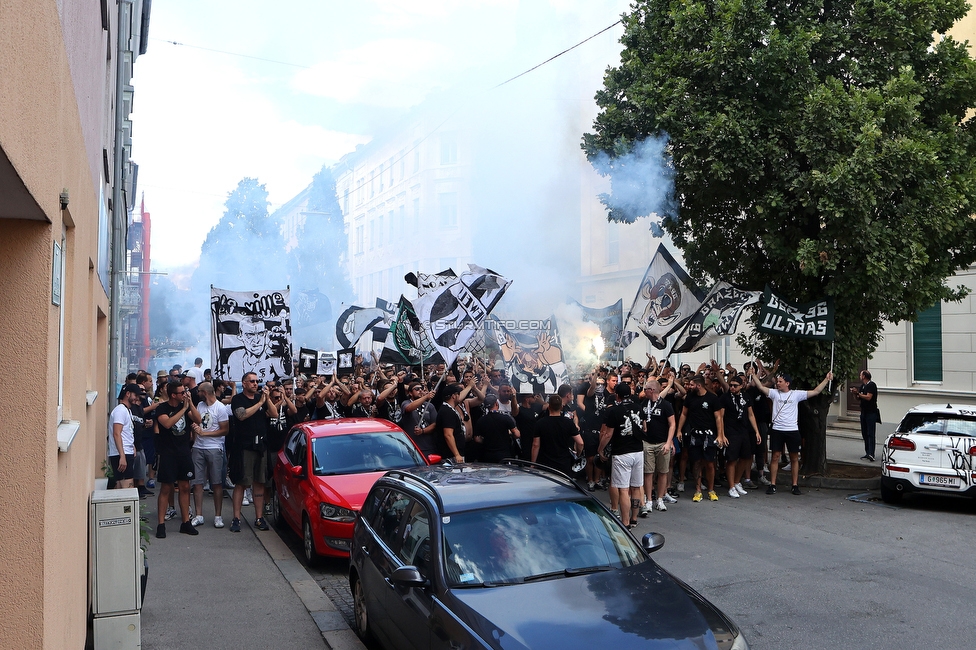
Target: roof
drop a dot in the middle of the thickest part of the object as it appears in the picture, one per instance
(346, 426)
(472, 486)
(946, 408)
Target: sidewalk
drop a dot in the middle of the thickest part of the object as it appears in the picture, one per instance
(224, 590)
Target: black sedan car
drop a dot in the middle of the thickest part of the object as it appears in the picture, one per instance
(514, 556)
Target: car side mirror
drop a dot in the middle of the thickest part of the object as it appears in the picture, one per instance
(434, 459)
(652, 542)
(296, 470)
(408, 576)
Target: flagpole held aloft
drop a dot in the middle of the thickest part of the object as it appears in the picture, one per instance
(831, 382)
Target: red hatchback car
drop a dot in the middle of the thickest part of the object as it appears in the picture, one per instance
(323, 474)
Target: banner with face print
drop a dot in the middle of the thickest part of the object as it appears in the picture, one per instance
(533, 356)
(250, 332)
(666, 299)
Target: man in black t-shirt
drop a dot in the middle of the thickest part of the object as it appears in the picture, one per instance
(658, 445)
(554, 436)
(740, 430)
(706, 433)
(598, 395)
(174, 438)
(495, 431)
(526, 418)
(623, 428)
(867, 395)
(419, 417)
(250, 412)
(760, 409)
(449, 429)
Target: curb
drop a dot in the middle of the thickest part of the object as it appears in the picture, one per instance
(817, 482)
(336, 633)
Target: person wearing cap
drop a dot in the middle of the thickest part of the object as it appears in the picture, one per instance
(196, 371)
(121, 442)
(449, 428)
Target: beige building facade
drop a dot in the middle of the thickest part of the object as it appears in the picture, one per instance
(58, 132)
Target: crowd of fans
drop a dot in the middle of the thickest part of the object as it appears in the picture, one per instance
(643, 432)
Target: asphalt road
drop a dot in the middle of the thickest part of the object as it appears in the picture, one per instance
(820, 570)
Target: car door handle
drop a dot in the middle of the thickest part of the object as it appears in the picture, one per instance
(364, 550)
(935, 447)
(389, 583)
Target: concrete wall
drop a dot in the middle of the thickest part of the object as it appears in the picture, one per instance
(52, 128)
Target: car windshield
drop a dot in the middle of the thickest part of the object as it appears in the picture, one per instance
(356, 453)
(938, 424)
(550, 539)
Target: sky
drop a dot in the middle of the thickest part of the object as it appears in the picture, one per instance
(276, 90)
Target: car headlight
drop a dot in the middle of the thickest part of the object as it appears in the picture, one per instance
(740, 643)
(336, 513)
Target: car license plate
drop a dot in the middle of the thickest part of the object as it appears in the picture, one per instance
(939, 480)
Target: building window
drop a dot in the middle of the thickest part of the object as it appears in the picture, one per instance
(403, 220)
(379, 232)
(392, 228)
(372, 234)
(345, 201)
(447, 205)
(416, 216)
(391, 172)
(416, 156)
(449, 152)
(360, 236)
(927, 345)
(613, 242)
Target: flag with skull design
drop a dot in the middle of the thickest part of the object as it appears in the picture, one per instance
(453, 313)
(667, 298)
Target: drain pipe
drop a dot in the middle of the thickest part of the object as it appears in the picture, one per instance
(119, 214)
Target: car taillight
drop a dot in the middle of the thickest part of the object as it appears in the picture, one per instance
(972, 451)
(895, 468)
(903, 444)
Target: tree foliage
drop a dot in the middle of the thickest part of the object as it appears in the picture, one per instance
(823, 147)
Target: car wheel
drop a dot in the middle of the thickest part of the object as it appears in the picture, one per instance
(359, 610)
(276, 518)
(890, 495)
(308, 542)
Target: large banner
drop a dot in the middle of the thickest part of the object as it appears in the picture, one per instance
(717, 317)
(454, 312)
(667, 298)
(812, 320)
(251, 332)
(533, 355)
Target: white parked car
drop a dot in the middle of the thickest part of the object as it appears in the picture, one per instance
(933, 450)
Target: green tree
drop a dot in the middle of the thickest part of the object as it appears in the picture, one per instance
(822, 146)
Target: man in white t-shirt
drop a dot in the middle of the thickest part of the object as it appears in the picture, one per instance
(196, 371)
(784, 429)
(208, 453)
(121, 442)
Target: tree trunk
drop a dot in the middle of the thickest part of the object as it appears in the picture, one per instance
(813, 429)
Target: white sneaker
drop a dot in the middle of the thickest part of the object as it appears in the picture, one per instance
(247, 497)
(763, 480)
(681, 487)
(741, 490)
(786, 467)
(733, 493)
(660, 505)
(170, 513)
(197, 521)
(644, 510)
(615, 513)
(218, 522)
(669, 499)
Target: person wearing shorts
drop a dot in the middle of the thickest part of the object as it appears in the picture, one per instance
(623, 429)
(208, 453)
(658, 446)
(121, 441)
(706, 434)
(784, 429)
(250, 412)
(174, 437)
(739, 420)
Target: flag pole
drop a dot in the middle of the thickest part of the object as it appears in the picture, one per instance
(831, 382)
